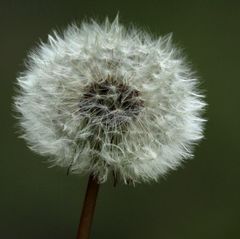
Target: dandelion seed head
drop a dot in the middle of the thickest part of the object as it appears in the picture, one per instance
(101, 98)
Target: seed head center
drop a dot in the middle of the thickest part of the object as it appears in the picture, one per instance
(110, 102)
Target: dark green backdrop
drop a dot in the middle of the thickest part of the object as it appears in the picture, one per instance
(200, 200)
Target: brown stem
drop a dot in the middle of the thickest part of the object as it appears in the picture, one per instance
(88, 208)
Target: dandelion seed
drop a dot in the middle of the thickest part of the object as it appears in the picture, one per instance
(105, 100)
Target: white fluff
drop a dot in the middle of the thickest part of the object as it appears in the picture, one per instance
(74, 78)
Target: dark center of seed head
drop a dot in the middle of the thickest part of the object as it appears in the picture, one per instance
(110, 103)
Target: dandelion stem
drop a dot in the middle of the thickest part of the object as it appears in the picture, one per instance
(88, 208)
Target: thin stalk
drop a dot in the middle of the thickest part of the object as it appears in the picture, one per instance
(89, 204)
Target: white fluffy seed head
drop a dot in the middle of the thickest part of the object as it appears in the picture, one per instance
(103, 99)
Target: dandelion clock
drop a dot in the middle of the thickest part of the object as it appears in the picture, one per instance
(103, 100)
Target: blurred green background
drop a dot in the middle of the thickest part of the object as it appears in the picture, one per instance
(200, 200)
